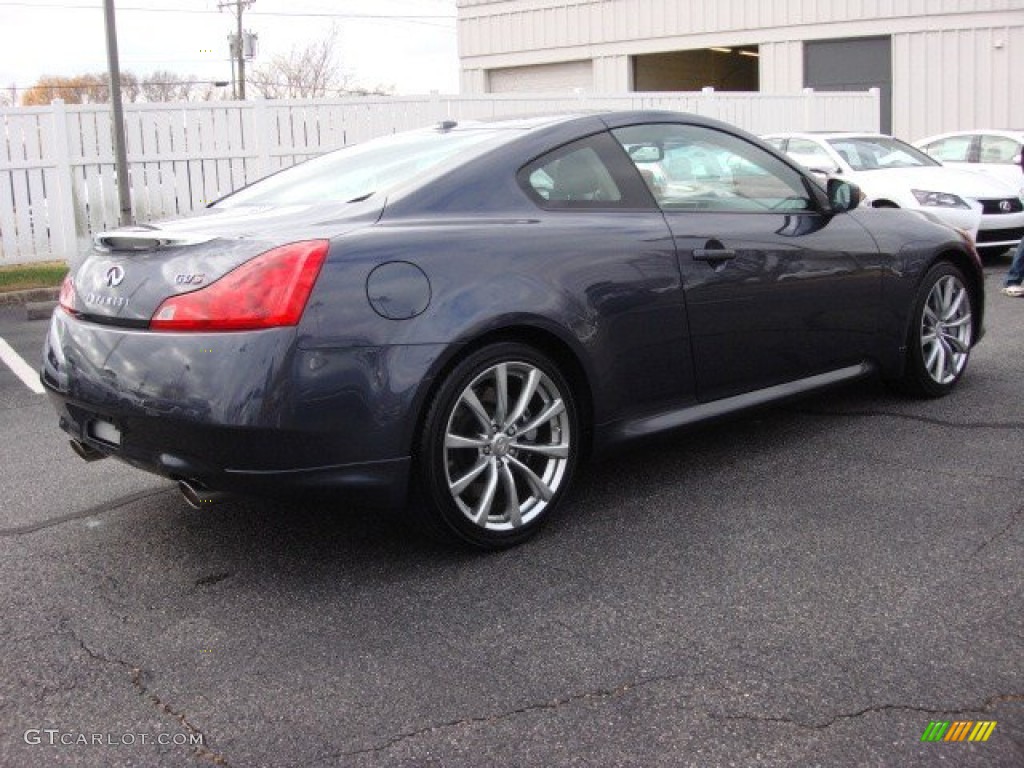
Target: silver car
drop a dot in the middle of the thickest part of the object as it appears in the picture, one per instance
(894, 174)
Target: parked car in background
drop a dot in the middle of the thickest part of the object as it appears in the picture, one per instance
(460, 315)
(996, 153)
(894, 174)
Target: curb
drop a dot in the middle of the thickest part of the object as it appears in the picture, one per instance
(39, 310)
(13, 298)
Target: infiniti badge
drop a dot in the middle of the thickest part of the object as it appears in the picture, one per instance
(115, 276)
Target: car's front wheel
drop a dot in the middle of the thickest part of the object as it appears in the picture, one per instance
(941, 333)
(499, 446)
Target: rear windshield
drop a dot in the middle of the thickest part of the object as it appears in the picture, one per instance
(357, 172)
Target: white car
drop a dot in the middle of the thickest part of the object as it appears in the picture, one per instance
(997, 153)
(893, 174)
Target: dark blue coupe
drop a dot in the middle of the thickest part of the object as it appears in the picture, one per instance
(452, 319)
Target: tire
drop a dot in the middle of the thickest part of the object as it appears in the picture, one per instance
(491, 469)
(940, 334)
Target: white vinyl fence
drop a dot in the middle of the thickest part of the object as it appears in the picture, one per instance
(58, 184)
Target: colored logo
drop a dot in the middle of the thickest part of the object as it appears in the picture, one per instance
(958, 730)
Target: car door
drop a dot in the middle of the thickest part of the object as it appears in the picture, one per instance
(960, 151)
(1000, 156)
(776, 288)
(606, 244)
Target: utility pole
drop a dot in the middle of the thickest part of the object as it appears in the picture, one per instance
(238, 47)
(124, 193)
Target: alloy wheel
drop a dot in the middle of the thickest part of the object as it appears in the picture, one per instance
(507, 445)
(946, 325)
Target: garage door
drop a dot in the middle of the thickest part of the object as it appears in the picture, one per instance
(854, 64)
(563, 77)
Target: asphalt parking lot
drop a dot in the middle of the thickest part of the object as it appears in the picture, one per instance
(812, 584)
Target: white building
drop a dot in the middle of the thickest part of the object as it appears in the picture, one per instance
(940, 64)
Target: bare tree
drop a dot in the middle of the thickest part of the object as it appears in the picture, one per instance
(305, 73)
(163, 85)
(211, 92)
(131, 86)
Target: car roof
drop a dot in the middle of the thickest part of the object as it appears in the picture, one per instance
(612, 118)
(540, 130)
(1010, 133)
(827, 135)
(519, 122)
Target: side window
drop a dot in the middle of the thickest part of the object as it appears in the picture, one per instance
(690, 167)
(955, 149)
(998, 149)
(574, 176)
(810, 154)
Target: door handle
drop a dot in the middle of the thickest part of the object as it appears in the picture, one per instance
(713, 254)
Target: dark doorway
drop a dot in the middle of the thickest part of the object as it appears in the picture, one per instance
(854, 64)
(724, 69)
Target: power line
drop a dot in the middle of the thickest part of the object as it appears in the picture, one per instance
(286, 14)
(434, 21)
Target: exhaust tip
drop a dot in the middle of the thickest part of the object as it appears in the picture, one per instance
(86, 452)
(198, 497)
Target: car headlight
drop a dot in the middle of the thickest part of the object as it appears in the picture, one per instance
(939, 199)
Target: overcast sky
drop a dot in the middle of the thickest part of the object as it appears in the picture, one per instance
(412, 54)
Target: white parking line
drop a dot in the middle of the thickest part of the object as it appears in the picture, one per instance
(21, 369)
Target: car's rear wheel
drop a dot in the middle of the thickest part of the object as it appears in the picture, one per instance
(499, 446)
(941, 332)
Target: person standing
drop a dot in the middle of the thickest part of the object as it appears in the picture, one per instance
(1012, 285)
(1015, 277)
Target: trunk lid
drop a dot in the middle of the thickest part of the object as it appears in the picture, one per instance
(129, 272)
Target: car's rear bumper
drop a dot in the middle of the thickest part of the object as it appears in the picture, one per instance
(243, 412)
(244, 461)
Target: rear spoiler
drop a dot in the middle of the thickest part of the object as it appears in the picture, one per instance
(138, 239)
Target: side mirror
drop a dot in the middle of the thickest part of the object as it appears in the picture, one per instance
(843, 195)
(825, 171)
(646, 153)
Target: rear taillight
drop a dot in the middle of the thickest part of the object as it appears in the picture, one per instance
(268, 291)
(67, 294)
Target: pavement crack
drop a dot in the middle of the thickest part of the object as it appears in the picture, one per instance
(106, 586)
(95, 655)
(988, 705)
(608, 693)
(1015, 518)
(107, 506)
(598, 693)
(876, 412)
(137, 677)
(199, 750)
(212, 578)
